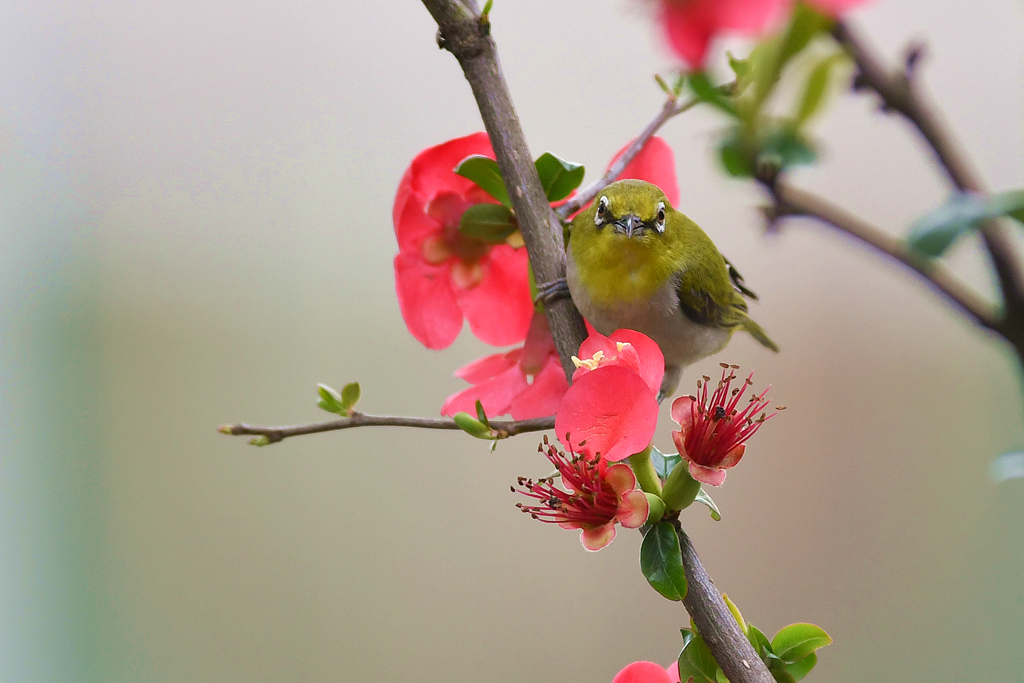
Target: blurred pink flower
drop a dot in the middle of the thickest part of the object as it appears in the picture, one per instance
(648, 672)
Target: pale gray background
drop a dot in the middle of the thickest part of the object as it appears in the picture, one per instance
(195, 205)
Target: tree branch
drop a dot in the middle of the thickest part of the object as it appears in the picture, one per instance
(715, 622)
(671, 108)
(794, 202)
(900, 91)
(502, 428)
(461, 32)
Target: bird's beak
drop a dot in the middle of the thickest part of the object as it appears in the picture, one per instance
(630, 225)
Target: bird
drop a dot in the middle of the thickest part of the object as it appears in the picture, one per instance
(633, 261)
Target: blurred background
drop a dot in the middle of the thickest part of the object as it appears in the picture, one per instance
(195, 228)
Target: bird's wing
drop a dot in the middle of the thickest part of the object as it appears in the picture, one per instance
(737, 281)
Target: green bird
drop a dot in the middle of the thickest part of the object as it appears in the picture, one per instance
(635, 262)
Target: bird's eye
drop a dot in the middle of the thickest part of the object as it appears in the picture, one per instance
(661, 217)
(602, 209)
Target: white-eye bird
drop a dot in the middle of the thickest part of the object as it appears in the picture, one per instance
(635, 262)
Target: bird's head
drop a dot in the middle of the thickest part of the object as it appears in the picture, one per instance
(634, 209)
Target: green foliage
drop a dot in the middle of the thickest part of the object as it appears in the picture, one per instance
(663, 463)
(558, 177)
(696, 659)
(704, 499)
(260, 440)
(935, 232)
(473, 427)
(661, 562)
(816, 87)
(484, 172)
(491, 223)
(796, 641)
(341, 404)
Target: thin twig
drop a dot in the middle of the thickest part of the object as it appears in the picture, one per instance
(715, 623)
(502, 429)
(791, 201)
(900, 91)
(672, 107)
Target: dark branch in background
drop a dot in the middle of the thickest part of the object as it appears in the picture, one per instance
(794, 202)
(462, 32)
(502, 428)
(672, 107)
(467, 37)
(900, 91)
(715, 622)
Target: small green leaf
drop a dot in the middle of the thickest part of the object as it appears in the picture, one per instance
(663, 464)
(816, 87)
(330, 400)
(704, 90)
(661, 563)
(759, 641)
(935, 232)
(663, 85)
(736, 614)
(481, 415)
(779, 672)
(484, 172)
(349, 397)
(472, 426)
(260, 440)
(488, 222)
(800, 669)
(735, 157)
(785, 146)
(559, 177)
(698, 659)
(704, 499)
(794, 642)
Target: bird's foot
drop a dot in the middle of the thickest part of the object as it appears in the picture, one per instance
(549, 292)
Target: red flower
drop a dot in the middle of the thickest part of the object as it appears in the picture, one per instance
(648, 672)
(611, 410)
(501, 381)
(712, 431)
(594, 497)
(656, 164)
(691, 25)
(443, 276)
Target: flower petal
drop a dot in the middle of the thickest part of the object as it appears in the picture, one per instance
(542, 397)
(620, 478)
(433, 169)
(732, 458)
(652, 360)
(495, 394)
(539, 345)
(499, 309)
(429, 306)
(612, 410)
(644, 672)
(633, 509)
(598, 537)
(682, 412)
(483, 369)
(706, 475)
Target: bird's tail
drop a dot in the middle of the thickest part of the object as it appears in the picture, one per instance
(758, 333)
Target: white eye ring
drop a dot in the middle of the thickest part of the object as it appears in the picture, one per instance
(660, 222)
(602, 209)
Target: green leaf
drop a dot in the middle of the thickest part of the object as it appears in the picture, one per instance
(707, 92)
(785, 146)
(735, 155)
(779, 672)
(769, 58)
(704, 499)
(330, 400)
(935, 232)
(488, 222)
(759, 641)
(559, 177)
(481, 415)
(663, 464)
(816, 87)
(800, 669)
(472, 426)
(794, 642)
(261, 440)
(349, 397)
(698, 660)
(484, 172)
(661, 563)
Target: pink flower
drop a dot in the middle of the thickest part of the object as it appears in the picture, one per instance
(611, 408)
(648, 672)
(712, 431)
(501, 382)
(656, 164)
(594, 497)
(443, 276)
(691, 25)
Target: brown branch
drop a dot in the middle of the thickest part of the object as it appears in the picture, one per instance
(461, 32)
(715, 623)
(790, 201)
(502, 429)
(900, 91)
(671, 108)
